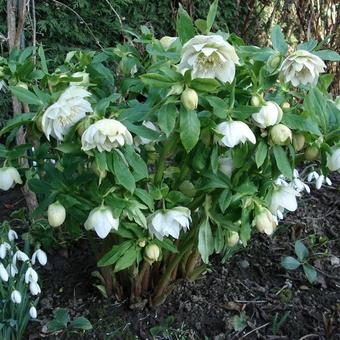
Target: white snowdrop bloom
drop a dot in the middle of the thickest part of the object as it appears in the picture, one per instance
(321, 180)
(34, 288)
(3, 273)
(102, 221)
(281, 181)
(12, 269)
(169, 222)
(209, 56)
(2, 85)
(4, 247)
(12, 235)
(142, 140)
(9, 176)
(312, 175)
(302, 67)
(31, 275)
(33, 312)
(167, 41)
(333, 159)
(298, 184)
(20, 256)
(226, 165)
(56, 214)
(105, 135)
(265, 222)
(270, 114)
(85, 79)
(283, 197)
(233, 133)
(69, 109)
(39, 255)
(16, 297)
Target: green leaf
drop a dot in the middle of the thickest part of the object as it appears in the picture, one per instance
(145, 197)
(301, 250)
(69, 148)
(61, 315)
(25, 96)
(54, 326)
(142, 131)
(18, 120)
(42, 57)
(136, 162)
(184, 26)
(219, 239)
(157, 80)
(81, 323)
(219, 106)
(297, 122)
(310, 272)
(205, 240)
(167, 118)
(201, 25)
(308, 45)
(261, 153)
(256, 53)
(278, 40)
(127, 260)
(122, 173)
(205, 85)
(224, 200)
(189, 129)
(114, 254)
(282, 161)
(328, 55)
(290, 263)
(212, 14)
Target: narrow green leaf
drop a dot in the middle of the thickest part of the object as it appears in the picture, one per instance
(18, 120)
(167, 116)
(127, 260)
(189, 129)
(261, 153)
(282, 161)
(328, 55)
(114, 253)
(205, 240)
(25, 96)
(122, 173)
(41, 54)
(157, 80)
(136, 162)
(278, 40)
(211, 15)
(184, 25)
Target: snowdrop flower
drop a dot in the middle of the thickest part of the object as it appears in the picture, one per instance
(167, 41)
(226, 165)
(12, 269)
(281, 181)
(3, 273)
(56, 214)
(312, 175)
(69, 109)
(302, 67)
(34, 288)
(2, 85)
(33, 312)
(105, 135)
(3, 249)
(16, 297)
(12, 235)
(283, 197)
(9, 176)
(41, 256)
(102, 221)
(233, 133)
(269, 115)
(85, 79)
(209, 56)
(21, 256)
(333, 159)
(169, 222)
(265, 221)
(319, 179)
(298, 184)
(142, 140)
(31, 275)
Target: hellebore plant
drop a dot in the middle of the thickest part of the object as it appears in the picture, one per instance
(183, 148)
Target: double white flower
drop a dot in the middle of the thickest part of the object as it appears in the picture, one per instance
(69, 109)
(105, 135)
(302, 67)
(9, 176)
(283, 197)
(233, 133)
(269, 115)
(102, 221)
(209, 56)
(169, 222)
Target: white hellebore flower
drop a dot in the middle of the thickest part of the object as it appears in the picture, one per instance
(302, 67)
(12, 235)
(167, 41)
(33, 312)
(3, 249)
(226, 165)
(9, 176)
(105, 135)
(85, 79)
(56, 214)
(41, 256)
(269, 115)
(102, 221)
(284, 197)
(233, 133)
(34, 288)
(209, 56)
(333, 159)
(265, 222)
(169, 222)
(67, 111)
(3, 273)
(31, 275)
(16, 297)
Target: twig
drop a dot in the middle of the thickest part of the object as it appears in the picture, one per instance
(254, 330)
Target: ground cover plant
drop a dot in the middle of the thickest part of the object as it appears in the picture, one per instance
(165, 151)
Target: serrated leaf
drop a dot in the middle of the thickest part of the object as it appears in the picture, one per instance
(282, 161)
(122, 173)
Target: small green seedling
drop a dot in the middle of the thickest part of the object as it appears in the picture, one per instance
(292, 263)
(62, 322)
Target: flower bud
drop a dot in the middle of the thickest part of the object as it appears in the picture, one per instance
(38, 123)
(187, 188)
(311, 153)
(265, 222)
(285, 106)
(274, 61)
(56, 214)
(281, 135)
(256, 100)
(33, 312)
(298, 141)
(83, 82)
(9, 176)
(23, 85)
(100, 173)
(142, 243)
(2, 73)
(167, 41)
(189, 99)
(16, 297)
(233, 239)
(176, 89)
(152, 253)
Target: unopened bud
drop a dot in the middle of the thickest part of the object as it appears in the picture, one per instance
(100, 173)
(285, 106)
(56, 214)
(142, 243)
(311, 153)
(274, 61)
(265, 222)
(233, 239)
(176, 89)
(298, 141)
(256, 100)
(281, 134)
(22, 84)
(167, 41)
(189, 99)
(152, 253)
(187, 188)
